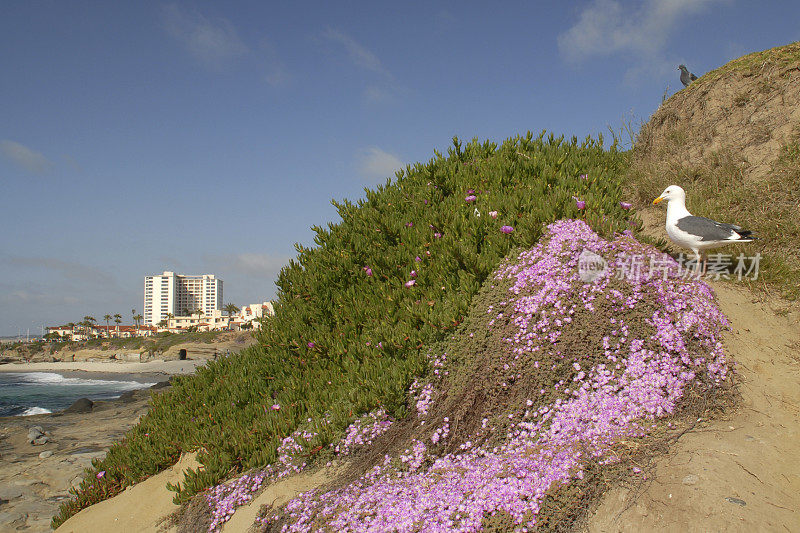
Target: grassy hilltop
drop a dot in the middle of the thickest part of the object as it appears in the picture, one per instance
(357, 315)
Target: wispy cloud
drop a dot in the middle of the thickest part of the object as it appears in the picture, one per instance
(24, 157)
(212, 42)
(274, 71)
(382, 87)
(358, 54)
(252, 265)
(259, 265)
(68, 270)
(15, 296)
(641, 30)
(376, 165)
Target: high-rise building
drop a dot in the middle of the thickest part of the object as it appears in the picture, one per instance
(180, 295)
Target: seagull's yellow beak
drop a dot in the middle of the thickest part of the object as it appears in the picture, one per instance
(658, 200)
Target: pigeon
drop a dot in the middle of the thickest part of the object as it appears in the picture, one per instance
(686, 76)
(697, 233)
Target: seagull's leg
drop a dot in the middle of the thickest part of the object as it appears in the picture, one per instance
(698, 258)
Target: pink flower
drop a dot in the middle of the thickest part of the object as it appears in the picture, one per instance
(276, 406)
(470, 191)
(413, 273)
(410, 283)
(418, 259)
(101, 474)
(437, 235)
(311, 344)
(470, 198)
(409, 224)
(507, 229)
(368, 270)
(581, 204)
(493, 214)
(625, 205)
(583, 176)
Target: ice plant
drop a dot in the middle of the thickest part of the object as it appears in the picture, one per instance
(507, 229)
(609, 393)
(410, 283)
(493, 214)
(625, 205)
(470, 198)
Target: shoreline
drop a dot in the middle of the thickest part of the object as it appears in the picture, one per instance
(112, 369)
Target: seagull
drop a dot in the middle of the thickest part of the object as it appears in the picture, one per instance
(686, 76)
(696, 233)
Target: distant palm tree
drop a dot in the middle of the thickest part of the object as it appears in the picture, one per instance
(137, 319)
(117, 321)
(89, 322)
(199, 313)
(231, 309)
(108, 318)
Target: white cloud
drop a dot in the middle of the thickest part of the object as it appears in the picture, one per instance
(214, 43)
(24, 157)
(70, 271)
(259, 265)
(274, 71)
(376, 165)
(248, 265)
(607, 27)
(358, 53)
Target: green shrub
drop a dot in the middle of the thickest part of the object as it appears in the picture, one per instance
(342, 341)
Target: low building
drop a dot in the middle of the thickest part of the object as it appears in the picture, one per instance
(248, 316)
(99, 331)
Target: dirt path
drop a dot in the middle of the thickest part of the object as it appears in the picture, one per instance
(740, 472)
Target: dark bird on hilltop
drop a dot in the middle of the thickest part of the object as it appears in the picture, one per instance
(686, 76)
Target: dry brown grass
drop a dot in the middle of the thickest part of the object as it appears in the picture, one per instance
(732, 141)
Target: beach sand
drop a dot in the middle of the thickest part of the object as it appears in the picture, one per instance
(154, 367)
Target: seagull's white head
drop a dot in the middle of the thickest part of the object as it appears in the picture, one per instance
(673, 192)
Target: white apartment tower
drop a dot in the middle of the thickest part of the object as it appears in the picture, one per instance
(180, 295)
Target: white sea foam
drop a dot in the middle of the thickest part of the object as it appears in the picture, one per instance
(51, 378)
(36, 411)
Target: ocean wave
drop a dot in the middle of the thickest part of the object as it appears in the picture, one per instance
(35, 411)
(51, 378)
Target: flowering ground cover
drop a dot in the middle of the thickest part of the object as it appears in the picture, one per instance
(551, 382)
(358, 312)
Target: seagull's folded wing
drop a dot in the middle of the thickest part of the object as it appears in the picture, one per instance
(708, 230)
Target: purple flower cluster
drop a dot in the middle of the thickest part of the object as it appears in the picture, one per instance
(362, 432)
(225, 498)
(546, 444)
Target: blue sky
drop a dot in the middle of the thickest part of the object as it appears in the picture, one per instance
(207, 137)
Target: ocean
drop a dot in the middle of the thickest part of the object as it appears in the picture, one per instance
(33, 393)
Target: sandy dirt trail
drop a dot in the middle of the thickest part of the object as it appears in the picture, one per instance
(740, 472)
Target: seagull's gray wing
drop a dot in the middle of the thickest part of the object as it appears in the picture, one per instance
(710, 230)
